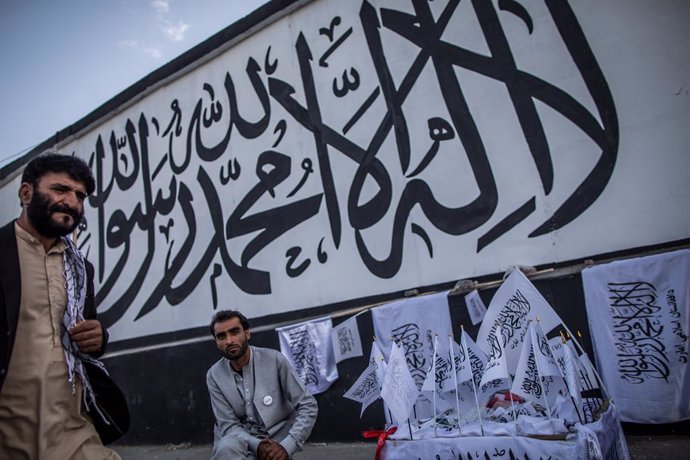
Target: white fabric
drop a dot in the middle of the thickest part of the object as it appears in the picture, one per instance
(463, 362)
(428, 432)
(440, 381)
(543, 354)
(552, 380)
(377, 359)
(475, 307)
(639, 319)
(515, 304)
(493, 447)
(443, 366)
(309, 349)
(603, 439)
(470, 369)
(478, 358)
(534, 377)
(557, 346)
(346, 341)
(497, 367)
(430, 379)
(399, 390)
(572, 372)
(527, 381)
(366, 388)
(413, 323)
(528, 425)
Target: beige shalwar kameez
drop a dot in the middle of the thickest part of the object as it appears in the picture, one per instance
(40, 417)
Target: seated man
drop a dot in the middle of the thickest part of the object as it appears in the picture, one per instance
(262, 409)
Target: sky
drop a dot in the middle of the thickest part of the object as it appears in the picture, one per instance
(61, 59)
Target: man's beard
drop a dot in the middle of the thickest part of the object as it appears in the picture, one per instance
(239, 353)
(40, 214)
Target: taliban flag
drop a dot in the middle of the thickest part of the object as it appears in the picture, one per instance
(366, 389)
(399, 390)
(497, 367)
(515, 304)
(536, 369)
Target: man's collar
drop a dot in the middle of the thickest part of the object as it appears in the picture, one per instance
(59, 245)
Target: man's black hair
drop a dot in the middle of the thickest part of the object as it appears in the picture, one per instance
(74, 167)
(225, 315)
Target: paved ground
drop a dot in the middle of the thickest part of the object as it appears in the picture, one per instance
(667, 447)
(317, 451)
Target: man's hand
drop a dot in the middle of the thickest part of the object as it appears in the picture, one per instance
(271, 450)
(88, 335)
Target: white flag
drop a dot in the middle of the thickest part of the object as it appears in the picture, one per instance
(515, 304)
(445, 380)
(527, 382)
(346, 341)
(366, 389)
(430, 380)
(413, 323)
(589, 375)
(496, 368)
(478, 359)
(309, 349)
(571, 365)
(544, 356)
(376, 358)
(464, 361)
(639, 319)
(557, 346)
(399, 390)
(475, 307)
(536, 369)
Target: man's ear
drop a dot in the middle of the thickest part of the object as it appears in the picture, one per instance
(248, 334)
(26, 191)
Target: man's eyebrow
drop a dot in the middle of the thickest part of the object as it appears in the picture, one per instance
(232, 329)
(62, 186)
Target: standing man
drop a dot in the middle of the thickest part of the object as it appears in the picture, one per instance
(48, 324)
(262, 409)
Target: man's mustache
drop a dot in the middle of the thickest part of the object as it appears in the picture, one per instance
(76, 215)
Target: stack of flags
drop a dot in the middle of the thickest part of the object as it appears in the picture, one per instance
(514, 359)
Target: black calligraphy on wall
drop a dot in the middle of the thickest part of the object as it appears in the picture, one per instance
(201, 193)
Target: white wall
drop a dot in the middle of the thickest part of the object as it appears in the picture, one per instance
(606, 112)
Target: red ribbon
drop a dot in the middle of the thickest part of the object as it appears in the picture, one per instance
(381, 435)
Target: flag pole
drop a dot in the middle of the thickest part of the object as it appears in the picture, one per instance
(455, 379)
(409, 425)
(588, 386)
(597, 377)
(594, 369)
(385, 408)
(582, 351)
(572, 398)
(585, 375)
(510, 380)
(474, 387)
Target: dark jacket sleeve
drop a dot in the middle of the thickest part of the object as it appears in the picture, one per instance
(10, 293)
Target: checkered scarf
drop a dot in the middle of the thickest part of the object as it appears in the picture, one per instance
(75, 284)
